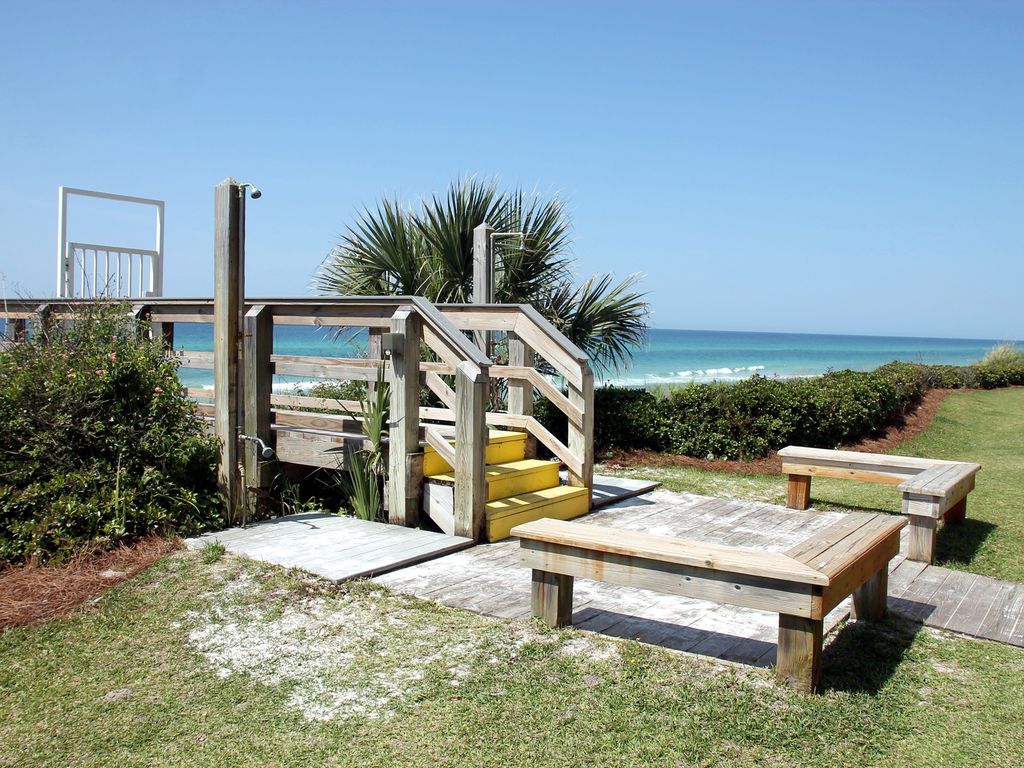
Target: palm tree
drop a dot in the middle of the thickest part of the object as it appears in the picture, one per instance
(427, 251)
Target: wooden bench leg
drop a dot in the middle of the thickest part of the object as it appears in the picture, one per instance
(921, 538)
(798, 492)
(798, 660)
(551, 598)
(956, 513)
(871, 598)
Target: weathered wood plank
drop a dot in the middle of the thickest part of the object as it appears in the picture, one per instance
(405, 459)
(229, 282)
(669, 549)
(798, 492)
(799, 652)
(551, 598)
(689, 581)
(259, 344)
(470, 451)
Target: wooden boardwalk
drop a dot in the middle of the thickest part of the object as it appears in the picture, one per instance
(961, 602)
(332, 546)
(339, 548)
(489, 579)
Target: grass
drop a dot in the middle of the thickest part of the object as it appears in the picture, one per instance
(236, 664)
(986, 427)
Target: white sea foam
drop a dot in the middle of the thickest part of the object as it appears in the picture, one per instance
(697, 376)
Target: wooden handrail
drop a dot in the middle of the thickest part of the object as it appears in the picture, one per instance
(442, 328)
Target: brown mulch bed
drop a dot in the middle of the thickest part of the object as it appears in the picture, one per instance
(913, 425)
(33, 594)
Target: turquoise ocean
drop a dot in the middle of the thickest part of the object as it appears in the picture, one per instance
(669, 356)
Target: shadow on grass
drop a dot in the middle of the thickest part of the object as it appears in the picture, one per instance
(863, 655)
(703, 642)
(960, 542)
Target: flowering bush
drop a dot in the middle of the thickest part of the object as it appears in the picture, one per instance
(101, 442)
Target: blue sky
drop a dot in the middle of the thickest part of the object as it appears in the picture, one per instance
(837, 167)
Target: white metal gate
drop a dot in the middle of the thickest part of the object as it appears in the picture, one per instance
(89, 270)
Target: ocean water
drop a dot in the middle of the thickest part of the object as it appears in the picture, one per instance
(669, 356)
(676, 356)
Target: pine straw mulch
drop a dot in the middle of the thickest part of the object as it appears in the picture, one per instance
(912, 425)
(33, 594)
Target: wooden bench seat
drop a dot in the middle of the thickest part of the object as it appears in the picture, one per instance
(802, 585)
(931, 488)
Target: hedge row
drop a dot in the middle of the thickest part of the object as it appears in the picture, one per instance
(101, 442)
(750, 418)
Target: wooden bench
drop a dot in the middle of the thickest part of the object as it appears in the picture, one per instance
(932, 488)
(802, 584)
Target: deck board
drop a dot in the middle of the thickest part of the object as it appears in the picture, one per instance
(332, 546)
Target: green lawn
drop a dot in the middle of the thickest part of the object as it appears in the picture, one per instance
(212, 660)
(986, 427)
(235, 664)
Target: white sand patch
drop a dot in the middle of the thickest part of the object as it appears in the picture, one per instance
(357, 654)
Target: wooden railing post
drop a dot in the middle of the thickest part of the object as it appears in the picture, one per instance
(520, 391)
(405, 458)
(581, 438)
(259, 375)
(483, 278)
(374, 351)
(470, 450)
(227, 255)
(43, 321)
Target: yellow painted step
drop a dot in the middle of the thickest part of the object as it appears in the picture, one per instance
(502, 447)
(512, 478)
(563, 502)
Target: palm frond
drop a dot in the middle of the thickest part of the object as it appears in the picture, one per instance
(608, 322)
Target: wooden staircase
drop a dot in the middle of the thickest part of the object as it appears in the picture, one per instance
(519, 490)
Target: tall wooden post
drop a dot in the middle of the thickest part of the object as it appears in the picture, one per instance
(227, 298)
(259, 374)
(405, 459)
(581, 438)
(520, 391)
(483, 278)
(470, 450)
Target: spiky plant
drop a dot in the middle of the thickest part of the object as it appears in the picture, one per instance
(427, 250)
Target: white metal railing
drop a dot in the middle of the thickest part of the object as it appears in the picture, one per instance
(108, 270)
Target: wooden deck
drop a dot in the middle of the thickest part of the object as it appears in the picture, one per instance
(489, 579)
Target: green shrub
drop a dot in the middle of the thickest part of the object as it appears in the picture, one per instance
(101, 442)
(1002, 366)
(949, 376)
(749, 418)
(337, 390)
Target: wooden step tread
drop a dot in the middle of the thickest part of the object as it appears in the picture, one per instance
(494, 437)
(503, 470)
(562, 502)
(534, 499)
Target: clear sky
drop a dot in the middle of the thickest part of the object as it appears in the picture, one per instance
(837, 167)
